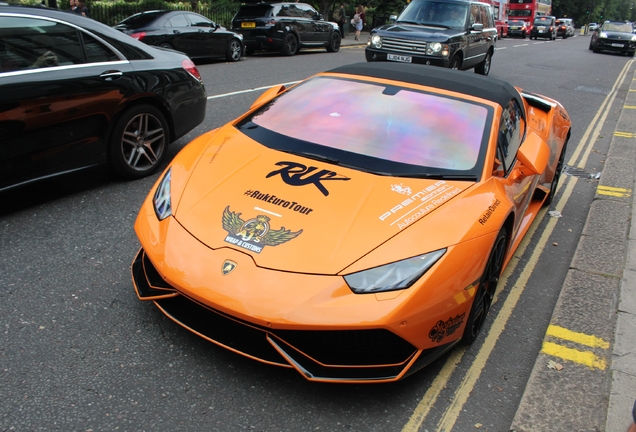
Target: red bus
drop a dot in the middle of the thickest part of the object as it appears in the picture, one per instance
(500, 13)
(528, 10)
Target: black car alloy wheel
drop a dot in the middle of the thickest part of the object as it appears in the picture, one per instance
(290, 45)
(486, 290)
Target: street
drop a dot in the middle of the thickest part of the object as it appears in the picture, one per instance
(79, 351)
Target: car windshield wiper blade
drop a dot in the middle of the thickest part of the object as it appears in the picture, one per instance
(315, 156)
(457, 177)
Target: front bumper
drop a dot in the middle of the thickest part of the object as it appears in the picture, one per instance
(380, 55)
(354, 356)
(615, 45)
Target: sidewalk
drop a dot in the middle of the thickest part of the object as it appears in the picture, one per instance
(595, 387)
(349, 39)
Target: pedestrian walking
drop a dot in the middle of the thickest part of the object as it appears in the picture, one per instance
(358, 21)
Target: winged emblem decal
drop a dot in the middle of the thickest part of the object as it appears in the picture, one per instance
(254, 234)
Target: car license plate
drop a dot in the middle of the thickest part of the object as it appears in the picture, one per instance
(514, 28)
(617, 45)
(248, 24)
(399, 58)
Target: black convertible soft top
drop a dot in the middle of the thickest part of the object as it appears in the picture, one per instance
(475, 85)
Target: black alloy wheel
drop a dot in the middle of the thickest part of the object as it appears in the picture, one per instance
(556, 177)
(138, 142)
(166, 45)
(486, 290)
(290, 45)
(334, 42)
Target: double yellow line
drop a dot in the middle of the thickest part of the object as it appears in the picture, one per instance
(587, 358)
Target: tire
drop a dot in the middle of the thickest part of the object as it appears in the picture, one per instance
(290, 45)
(483, 68)
(590, 48)
(523, 35)
(234, 51)
(455, 63)
(334, 42)
(631, 53)
(557, 176)
(486, 290)
(595, 50)
(138, 143)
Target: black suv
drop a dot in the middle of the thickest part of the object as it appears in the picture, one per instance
(544, 27)
(457, 34)
(286, 27)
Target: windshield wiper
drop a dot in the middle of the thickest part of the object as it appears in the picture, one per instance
(315, 156)
(456, 177)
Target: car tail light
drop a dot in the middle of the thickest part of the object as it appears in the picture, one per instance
(191, 68)
(138, 36)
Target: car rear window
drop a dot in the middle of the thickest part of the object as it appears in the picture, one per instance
(387, 123)
(141, 20)
(253, 11)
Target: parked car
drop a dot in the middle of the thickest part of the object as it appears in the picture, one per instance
(592, 26)
(614, 36)
(366, 232)
(517, 28)
(565, 27)
(285, 27)
(456, 34)
(544, 27)
(188, 32)
(76, 93)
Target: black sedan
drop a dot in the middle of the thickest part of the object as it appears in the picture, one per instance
(615, 36)
(188, 32)
(75, 93)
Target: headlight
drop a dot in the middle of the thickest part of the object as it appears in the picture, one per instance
(395, 276)
(433, 48)
(376, 41)
(634, 38)
(161, 201)
(603, 35)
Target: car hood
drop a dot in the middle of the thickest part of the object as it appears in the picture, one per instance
(400, 30)
(296, 214)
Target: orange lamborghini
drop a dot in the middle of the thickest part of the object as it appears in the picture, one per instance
(354, 226)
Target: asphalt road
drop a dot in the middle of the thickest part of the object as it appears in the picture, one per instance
(78, 351)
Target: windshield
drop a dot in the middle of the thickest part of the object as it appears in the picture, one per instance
(380, 128)
(618, 27)
(435, 13)
(519, 13)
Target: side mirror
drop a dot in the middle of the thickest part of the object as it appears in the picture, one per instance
(268, 95)
(318, 17)
(477, 27)
(533, 155)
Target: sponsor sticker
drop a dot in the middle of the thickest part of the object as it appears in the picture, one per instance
(253, 234)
